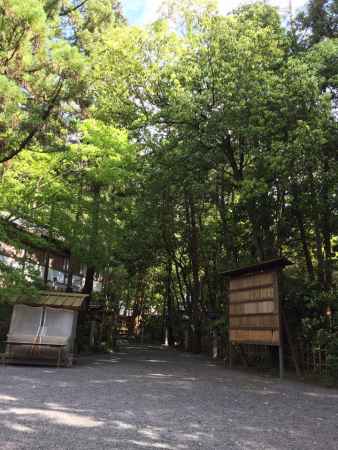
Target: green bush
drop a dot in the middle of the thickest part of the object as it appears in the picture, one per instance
(15, 284)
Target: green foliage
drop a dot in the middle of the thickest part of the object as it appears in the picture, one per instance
(195, 145)
(43, 74)
(318, 21)
(16, 285)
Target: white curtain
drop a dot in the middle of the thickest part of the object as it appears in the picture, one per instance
(25, 322)
(58, 327)
(42, 325)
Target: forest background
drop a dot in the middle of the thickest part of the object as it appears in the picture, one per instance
(165, 155)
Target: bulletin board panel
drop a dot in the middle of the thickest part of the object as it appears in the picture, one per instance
(254, 309)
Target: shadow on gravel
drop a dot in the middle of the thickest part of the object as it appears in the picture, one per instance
(153, 398)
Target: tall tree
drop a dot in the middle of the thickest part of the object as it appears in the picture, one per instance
(44, 69)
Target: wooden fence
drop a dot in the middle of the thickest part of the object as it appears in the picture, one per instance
(312, 359)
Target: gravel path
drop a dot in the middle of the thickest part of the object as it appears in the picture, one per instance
(153, 398)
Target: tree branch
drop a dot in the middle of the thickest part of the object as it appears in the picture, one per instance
(28, 139)
(70, 10)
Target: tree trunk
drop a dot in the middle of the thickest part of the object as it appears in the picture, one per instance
(89, 281)
(91, 269)
(326, 224)
(138, 305)
(169, 309)
(256, 235)
(228, 236)
(70, 273)
(46, 267)
(303, 238)
(318, 238)
(69, 287)
(194, 258)
(47, 253)
(319, 254)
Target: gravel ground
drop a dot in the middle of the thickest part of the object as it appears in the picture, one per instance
(153, 398)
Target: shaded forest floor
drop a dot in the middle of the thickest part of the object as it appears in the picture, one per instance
(147, 397)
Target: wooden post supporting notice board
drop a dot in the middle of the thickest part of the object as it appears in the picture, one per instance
(254, 306)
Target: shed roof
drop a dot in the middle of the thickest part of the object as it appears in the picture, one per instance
(271, 264)
(60, 300)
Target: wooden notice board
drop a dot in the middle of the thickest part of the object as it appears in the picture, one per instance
(254, 308)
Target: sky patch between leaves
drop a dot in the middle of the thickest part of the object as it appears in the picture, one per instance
(143, 12)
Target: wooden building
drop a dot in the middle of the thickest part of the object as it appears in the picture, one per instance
(50, 257)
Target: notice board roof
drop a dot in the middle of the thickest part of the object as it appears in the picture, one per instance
(60, 300)
(271, 264)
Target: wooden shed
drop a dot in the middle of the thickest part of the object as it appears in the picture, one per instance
(45, 329)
